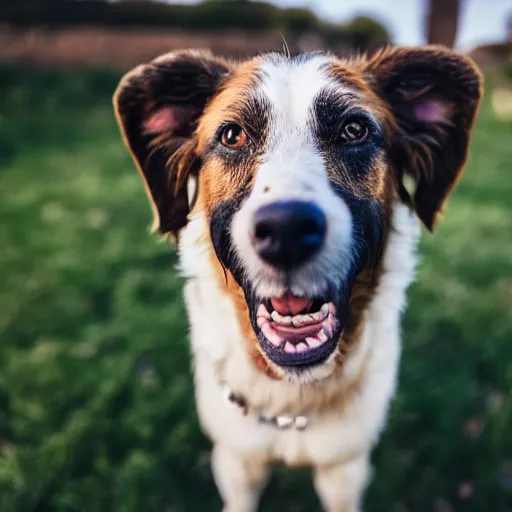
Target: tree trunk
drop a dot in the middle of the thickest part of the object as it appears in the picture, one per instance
(442, 21)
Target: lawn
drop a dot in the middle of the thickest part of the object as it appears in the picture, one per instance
(96, 405)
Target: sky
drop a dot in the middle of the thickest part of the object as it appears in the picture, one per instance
(482, 21)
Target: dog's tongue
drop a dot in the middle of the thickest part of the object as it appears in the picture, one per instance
(290, 304)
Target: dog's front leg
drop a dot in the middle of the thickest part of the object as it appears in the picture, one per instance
(238, 479)
(341, 486)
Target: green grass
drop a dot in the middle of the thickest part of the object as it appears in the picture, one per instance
(96, 403)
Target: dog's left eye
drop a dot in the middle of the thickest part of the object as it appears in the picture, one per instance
(354, 131)
(233, 136)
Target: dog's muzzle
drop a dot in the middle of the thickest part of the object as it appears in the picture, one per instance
(293, 330)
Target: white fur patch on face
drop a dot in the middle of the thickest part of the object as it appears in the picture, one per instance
(293, 168)
(291, 86)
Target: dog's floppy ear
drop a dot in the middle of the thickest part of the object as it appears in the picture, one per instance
(157, 106)
(434, 95)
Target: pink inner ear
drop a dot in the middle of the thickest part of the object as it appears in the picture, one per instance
(169, 119)
(431, 111)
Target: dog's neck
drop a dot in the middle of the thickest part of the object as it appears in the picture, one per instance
(219, 344)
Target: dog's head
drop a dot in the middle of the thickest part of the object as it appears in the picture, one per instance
(297, 164)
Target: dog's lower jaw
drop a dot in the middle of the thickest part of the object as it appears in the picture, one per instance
(348, 409)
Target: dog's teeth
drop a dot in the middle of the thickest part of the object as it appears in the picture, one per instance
(315, 317)
(302, 347)
(299, 320)
(327, 329)
(271, 335)
(332, 308)
(289, 348)
(325, 310)
(261, 321)
(262, 311)
(313, 342)
(322, 335)
(283, 320)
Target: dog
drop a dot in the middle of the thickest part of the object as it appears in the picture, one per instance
(295, 189)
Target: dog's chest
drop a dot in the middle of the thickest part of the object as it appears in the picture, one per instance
(349, 425)
(329, 436)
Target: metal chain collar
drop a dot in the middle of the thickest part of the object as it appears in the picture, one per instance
(283, 422)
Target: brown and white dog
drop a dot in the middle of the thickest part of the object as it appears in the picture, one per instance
(294, 187)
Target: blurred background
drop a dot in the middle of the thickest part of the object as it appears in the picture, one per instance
(96, 398)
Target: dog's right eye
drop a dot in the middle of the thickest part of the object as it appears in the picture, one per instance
(233, 136)
(354, 131)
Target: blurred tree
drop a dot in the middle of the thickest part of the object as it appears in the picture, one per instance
(442, 21)
(366, 33)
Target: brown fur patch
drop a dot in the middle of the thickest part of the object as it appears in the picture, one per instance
(227, 101)
(375, 183)
(217, 183)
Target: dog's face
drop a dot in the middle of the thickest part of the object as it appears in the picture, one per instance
(297, 164)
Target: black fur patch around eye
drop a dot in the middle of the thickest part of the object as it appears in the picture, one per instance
(220, 231)
(329, 112)
(356, 160)
(254, 116)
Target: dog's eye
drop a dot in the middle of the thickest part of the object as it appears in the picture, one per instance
(233, 136)
(354, 131)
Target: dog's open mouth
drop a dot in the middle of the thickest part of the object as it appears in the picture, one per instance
(297, 331)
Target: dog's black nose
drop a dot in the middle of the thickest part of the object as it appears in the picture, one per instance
(288, 233)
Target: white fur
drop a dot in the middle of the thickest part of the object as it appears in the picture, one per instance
(338, 441)
(295, 174)
(291, 90)
(293, 168)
